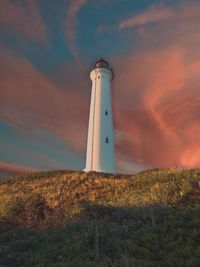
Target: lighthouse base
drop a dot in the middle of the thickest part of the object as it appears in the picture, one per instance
(102, 171)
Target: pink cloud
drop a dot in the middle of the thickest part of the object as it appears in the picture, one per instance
(157, 103)
(13, 169)
(191, 155)
(30, 98)
(157, 107)
(24, 19)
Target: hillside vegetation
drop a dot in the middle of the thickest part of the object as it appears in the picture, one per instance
(69, 219)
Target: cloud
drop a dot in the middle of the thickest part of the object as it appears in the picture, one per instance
(157, 106)
(70, 24)
(36, 148)
(30, 98)
(191, 155)
(24, 19)
(156, 90)
(14, 169)
(153, 14)
(184, 12)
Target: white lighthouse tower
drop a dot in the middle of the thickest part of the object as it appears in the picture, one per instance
(100, 143)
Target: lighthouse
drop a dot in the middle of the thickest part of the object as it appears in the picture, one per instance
(100, 142)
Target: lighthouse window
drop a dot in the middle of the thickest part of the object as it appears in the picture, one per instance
(107, 141)
(106, 112)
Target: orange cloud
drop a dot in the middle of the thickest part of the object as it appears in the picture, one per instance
(24, 19)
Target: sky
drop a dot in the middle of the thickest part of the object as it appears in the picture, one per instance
(47, 49)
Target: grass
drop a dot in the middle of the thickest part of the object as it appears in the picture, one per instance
(67, 218)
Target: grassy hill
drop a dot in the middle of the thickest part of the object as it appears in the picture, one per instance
(66, 218)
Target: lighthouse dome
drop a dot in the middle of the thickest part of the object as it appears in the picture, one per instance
(101, 63)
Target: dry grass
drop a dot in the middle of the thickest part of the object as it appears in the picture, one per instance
(46, 200)
(147, 219)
